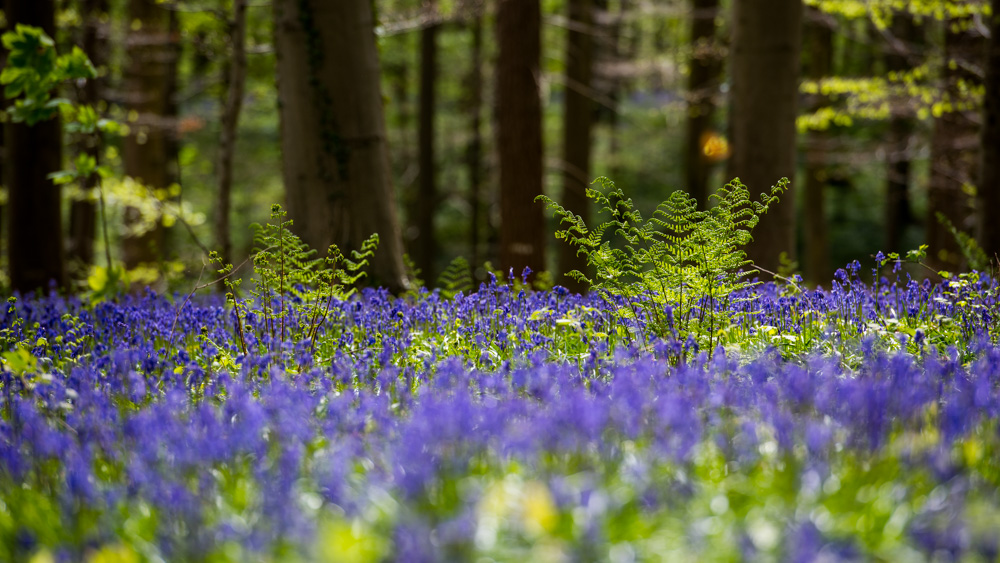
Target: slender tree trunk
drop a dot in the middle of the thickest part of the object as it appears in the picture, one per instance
(611, 51)
(474, 150)
(765, 79)
(703, 87)
(3, 145)
(954, 157)
(578, 115)
(34, 237)
(898, 214)
(83, 212)
(519, 135)
(818, 48)
(334, 147)
(989, 175)
(230, 121)
(149, 91)
(427, 197)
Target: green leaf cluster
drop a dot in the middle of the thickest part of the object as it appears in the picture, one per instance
(34, 71)
(677, 272)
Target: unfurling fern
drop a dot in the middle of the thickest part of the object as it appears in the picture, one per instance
(294, 291)
(675, 274)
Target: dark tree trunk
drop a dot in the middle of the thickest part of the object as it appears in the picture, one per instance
(767, 41)
(474, 150)
(34, 236)
(703, 87)
(3, 144)
(898, 214)
(149, 89)
(427, 197)
(818, 47)
(334, 148)
(230, 120)
(83, 212)
(578, 114)
(611, 50)
(954, 156)
(519, 135)
(989, 175)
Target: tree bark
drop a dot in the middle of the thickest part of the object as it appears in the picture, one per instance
(149, 83)
(519, 135)
(427, 197)
(898, 214)
(230, 121)
(34, 236)
(703, 87)
(767, 40)
(578, 115)
(334, 147)
(3, 134)
(819, 50)
(474, 149)
(989, 175)
(83, 212)
(954, 157)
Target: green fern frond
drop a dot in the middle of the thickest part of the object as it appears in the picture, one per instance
(456, 278)
(681, 257)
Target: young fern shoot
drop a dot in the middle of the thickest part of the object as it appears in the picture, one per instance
(675, 274)
(294, 291)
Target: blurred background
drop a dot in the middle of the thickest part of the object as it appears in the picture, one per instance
(436, 122)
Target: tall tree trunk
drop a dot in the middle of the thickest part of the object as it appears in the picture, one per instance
(474, 149)
(34, 236)
(149, 89)
(3, 134)
(767, 40)
(427, 197)
(230, 120)
(954, 142)
(818, 48)
(83, 212)
(334, 148)
(703, 87)
(578, 115)
(611, 51)
(989, 174)
(898, 214)
(519, 135)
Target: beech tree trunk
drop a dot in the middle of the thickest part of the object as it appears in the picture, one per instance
(149, 85)
(35, 233)
(989, 175)
(767, 40)
(954, 157)
(427, 197)
(703, 87)
(898, 214)
(230, 121)
(334, 147)
(519, 135)
(578, 115)
(819, 50)
(474, 149)
(3, 134)
(83, 212)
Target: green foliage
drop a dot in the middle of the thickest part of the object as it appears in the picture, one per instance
(34, 71)
(293, 289)
(974, 254)
(456, 278)
(679, 270)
